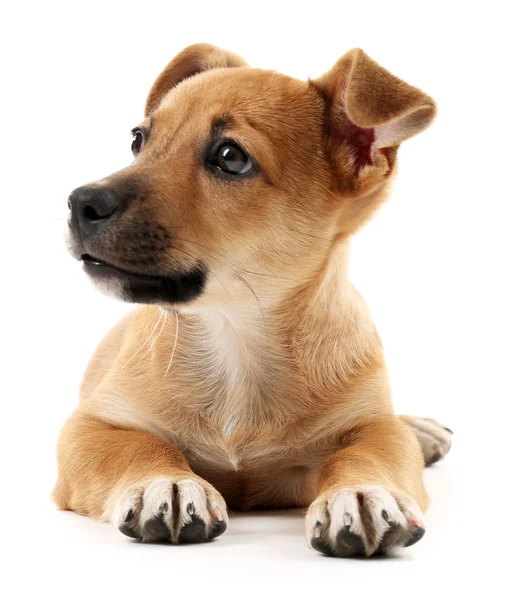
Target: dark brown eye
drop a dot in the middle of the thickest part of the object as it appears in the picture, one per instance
(138, 141)
(231, 159)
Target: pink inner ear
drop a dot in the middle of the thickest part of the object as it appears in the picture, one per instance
(364, 143)
(361, 140)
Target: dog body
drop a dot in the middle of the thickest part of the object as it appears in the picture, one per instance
(253, 375)
(233, 401)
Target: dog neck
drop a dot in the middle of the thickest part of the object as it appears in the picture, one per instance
(322, 331)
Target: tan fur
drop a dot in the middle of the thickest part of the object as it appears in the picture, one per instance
(270, 386)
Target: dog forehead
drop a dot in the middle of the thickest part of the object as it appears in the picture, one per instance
(248, 92)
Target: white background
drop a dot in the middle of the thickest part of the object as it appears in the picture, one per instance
(433, 266)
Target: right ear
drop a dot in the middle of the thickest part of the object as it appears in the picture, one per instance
(191, 61)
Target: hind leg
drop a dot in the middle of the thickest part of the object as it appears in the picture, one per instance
(435, 439)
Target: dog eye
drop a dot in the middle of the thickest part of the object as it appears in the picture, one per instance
(231, 159)
(138, 141)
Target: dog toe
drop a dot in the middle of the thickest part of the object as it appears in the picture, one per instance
(193, 532)
(366, 521)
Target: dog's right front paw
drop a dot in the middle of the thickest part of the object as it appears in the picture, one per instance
(182, 510)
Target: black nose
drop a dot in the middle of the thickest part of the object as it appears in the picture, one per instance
(92, 206)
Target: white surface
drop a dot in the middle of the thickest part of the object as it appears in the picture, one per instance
(433, 266)
(266, 554)
(262, 553)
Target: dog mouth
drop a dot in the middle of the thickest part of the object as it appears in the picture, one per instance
(97, 266)
(174, 288)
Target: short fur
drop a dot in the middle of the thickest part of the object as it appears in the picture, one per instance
(268, 388)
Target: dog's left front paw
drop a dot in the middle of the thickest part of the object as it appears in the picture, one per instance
(363, 521)
(435, 439)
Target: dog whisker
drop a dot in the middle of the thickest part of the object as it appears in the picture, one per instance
(258, 302)
(175, 342)
(200, 246)
(223, 256)
(146, 341)
(221, 283)
(270, 275)
(157, 337)
(317, 237)
(210, 270)
(195, 258)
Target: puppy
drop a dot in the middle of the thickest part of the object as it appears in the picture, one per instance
(252, 375)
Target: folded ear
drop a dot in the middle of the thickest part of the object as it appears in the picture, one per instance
(191, 61)
(370, 112)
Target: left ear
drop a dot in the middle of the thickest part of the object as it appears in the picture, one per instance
(369, 113)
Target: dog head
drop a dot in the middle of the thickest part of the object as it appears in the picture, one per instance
(241, 172)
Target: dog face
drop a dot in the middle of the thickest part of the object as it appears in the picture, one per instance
(241, 172)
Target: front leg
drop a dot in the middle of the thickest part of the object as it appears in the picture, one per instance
(371, 493)
(137, 481)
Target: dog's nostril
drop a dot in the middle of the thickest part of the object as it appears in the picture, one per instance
(93, 205)
(93, 213)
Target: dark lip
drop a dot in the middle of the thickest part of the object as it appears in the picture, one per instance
(172, 288)
(97, 266)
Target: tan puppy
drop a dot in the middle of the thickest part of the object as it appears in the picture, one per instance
(253, 376)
